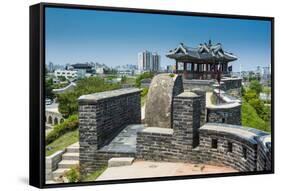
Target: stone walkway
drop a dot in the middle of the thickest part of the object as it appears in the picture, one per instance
(148, 169)
(125, 141)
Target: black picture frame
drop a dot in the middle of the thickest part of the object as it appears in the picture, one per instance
(37, 105)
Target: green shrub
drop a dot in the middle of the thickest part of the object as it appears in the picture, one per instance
(172, 75)
(73, 175)
(93, 175)
(68, 125)
(144, 92)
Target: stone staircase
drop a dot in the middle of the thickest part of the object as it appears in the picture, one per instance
(69, 159)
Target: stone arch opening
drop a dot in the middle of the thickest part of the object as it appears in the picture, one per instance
(50, 120)
(56, 121)
(61, 120)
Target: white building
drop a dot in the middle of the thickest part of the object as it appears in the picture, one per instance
(51, 67)
(100, 70)
(66, 73)
(148, 61)
(266, 73)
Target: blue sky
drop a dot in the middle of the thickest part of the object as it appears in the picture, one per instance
(115, 38)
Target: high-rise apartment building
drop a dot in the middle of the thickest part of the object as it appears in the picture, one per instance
(148, 61)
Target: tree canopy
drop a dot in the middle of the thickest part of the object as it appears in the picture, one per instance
(68, 101)
(256, 86)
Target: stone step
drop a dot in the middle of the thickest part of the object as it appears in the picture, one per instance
(68, 163)
(59, 172)
(51, 182)
(74, 148)
(120, 161)
(70, 156)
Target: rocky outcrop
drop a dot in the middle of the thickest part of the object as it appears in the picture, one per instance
(159, 101)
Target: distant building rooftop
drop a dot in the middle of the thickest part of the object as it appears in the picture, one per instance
(82, 66)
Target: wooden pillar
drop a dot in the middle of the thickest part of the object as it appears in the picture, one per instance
(184, 66)
(176, 67)
(192, 67)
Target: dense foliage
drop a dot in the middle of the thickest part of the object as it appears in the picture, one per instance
(256, 87)
(70, 124)
(250, 117)
(255, 113)
(68, 104)
(48, 89)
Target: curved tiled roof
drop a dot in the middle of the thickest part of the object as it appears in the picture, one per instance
(203, 53)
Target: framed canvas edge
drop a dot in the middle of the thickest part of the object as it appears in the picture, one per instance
(39, 106)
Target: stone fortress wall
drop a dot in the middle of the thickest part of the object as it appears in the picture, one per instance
(244, 149)
(101, 117)
(192, 138)
(230, 85)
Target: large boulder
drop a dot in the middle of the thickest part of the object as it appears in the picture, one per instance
(159, 100)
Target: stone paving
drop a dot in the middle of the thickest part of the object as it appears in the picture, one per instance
(125, 141)
(147, 169)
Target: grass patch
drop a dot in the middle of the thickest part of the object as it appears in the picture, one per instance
(250, 118)
(94, 175)
(130, 80)
(62, 142)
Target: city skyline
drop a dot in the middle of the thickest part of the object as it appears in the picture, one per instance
(74, 35)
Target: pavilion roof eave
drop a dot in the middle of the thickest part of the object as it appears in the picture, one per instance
(186, 58)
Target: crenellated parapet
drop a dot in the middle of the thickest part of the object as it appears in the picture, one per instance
(233, 145)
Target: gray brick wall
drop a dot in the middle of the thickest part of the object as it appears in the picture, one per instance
(243, 152)
(173, 144)
(101, 117)
(201, 93)
(225, 113)
(264, 153)
(155, 144)
(186, 119)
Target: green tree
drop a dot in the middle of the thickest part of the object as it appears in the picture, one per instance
(256, 86)
(267, 90)
(123, 79)
(62, 78)
(68, 101)
(250, 94)
(250, 117)
(258, 105)
(48, 88)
